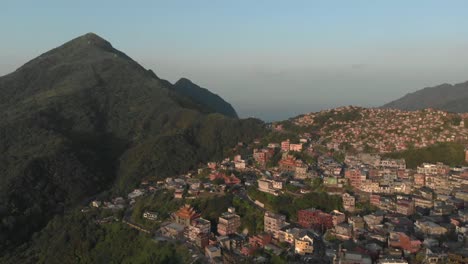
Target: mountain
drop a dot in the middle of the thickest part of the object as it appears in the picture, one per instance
(447, 97)
(85, 118)
(205, 97)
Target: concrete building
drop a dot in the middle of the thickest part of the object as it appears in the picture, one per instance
(304, 245)
(198, 232)
(314, 218)
(153, 216)
(273, 223)
(228, 222)
(349, 202)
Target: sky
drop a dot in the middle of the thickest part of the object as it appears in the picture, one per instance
(269, 59)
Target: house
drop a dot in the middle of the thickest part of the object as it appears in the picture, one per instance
(285, 145)
(150, 215)
(343, 231)
(403, 241)
(136, 193)
(295, 147)
(430, 228)
(304, 245)
(269, 186)
(179, 193)
(96, 203)
(289, 235)
(212, 253)
(373, 220)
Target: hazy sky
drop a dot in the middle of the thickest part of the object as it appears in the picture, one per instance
(270, 59)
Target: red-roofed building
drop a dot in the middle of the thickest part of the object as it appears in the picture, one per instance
(228, 180)
(185, 215)
(403, 241)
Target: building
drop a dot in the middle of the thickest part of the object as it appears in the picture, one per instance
(355, 177)
(150, 215)
(304, 245)
(285, 145)
(314, 218)
(228, 222)
(343, 231)
(403, 241)
(373, 220)
(337, 217)
(269, 186)
(295, 147)
(349, 202)
(393, 163)
(228, 180)
(301, 172)
(466, 154)
(433, 169)
(419, 180)
(459, 256)
(173, 230)
(179, 194)
(430, 228)
(262, 156)
(240, 165)
(405, 207)
(273, 223)
(185, 215)
(423, 203)
(289, 235)
(212, 253)
(198, 232)
(289, 163)
(260, 240)
(350, 257)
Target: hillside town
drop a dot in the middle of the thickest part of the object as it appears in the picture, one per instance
(385, 130)
(294, 201)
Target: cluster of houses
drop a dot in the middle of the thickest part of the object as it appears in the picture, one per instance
(416, 210)
(387, 130)
(225, 241)
(389, 213)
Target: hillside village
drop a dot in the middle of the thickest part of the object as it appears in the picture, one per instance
(385, 130)
(305, 199)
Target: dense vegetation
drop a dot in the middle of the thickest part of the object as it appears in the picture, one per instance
(289, 204)
(75, 238)
(84, 118)
(447, 97)
(204, 97)
(449, 153)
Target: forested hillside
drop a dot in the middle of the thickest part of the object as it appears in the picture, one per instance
(85, 118)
